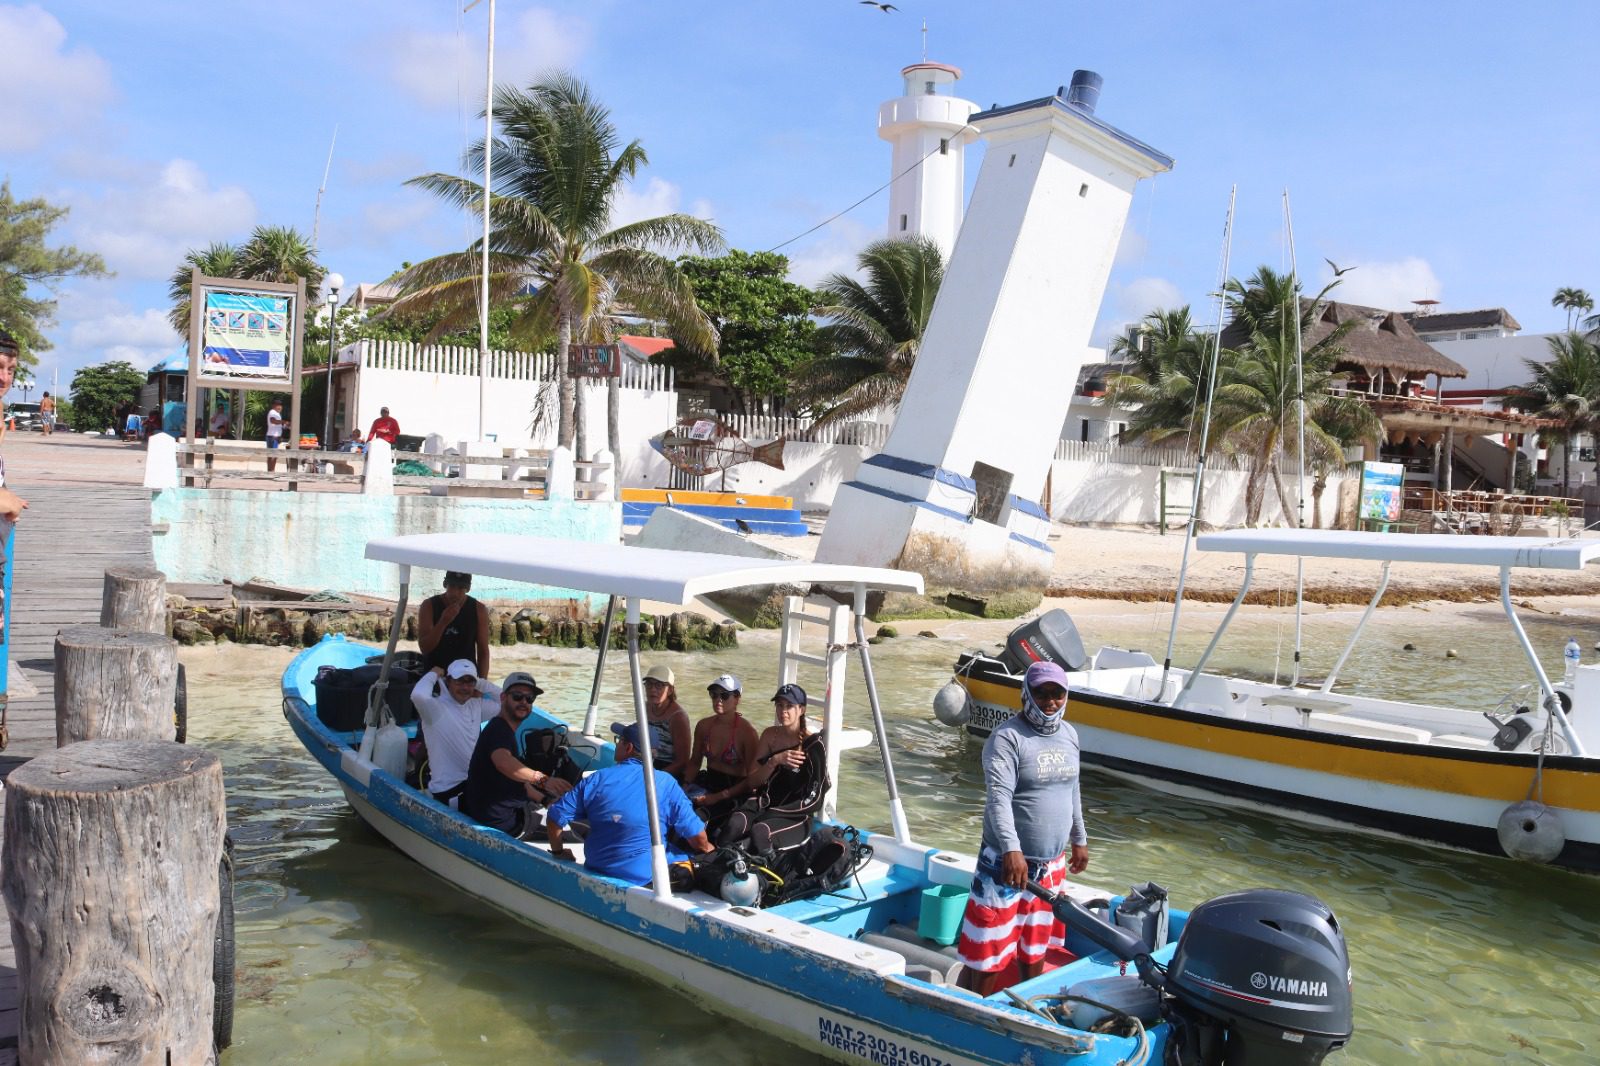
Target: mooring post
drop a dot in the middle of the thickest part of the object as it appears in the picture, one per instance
(111, 876)
(135, 598)
(114, 684)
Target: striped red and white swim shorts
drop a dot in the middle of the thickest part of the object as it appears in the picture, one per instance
(1001, 921)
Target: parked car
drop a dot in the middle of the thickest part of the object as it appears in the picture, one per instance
(25, 416)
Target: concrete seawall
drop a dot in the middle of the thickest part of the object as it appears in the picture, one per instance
(317, 539)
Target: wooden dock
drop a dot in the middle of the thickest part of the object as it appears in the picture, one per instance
(69, 536)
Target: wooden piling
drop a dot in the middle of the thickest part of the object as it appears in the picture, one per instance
(111, 858)
(135, 598)
(114, 684)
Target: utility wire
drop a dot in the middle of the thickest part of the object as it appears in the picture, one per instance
(835, 217)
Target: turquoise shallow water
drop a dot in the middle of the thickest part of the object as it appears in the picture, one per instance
(350, 953)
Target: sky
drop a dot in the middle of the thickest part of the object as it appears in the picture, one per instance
(1447, 152)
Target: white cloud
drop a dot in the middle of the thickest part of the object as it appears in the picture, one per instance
(445, 69)
(142, 329)
(397, 214)
(834, 252)
(145, 227)
(1130, 301)
(1390, 285)
(49, 90)
(141, 358)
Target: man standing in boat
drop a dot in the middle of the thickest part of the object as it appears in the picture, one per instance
(1032, 815)
(612, 800)
(453, 625)
(453, 705)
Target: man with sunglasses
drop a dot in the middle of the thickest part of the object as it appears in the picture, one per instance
(1032, 816)
(498, 785)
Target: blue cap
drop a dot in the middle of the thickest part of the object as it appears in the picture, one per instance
(793, 693)
(628, 731)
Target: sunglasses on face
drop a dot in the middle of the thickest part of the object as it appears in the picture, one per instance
(520, 697)
(655, 684)
(719, 694)
(1048, 694)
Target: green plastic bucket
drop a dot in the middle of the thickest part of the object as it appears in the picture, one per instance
(942, 908)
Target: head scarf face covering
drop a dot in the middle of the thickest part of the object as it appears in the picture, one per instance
(1043, 674)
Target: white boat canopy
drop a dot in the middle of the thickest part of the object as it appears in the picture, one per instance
(1465, 550)
(619, 570)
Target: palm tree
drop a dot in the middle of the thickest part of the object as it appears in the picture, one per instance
(1575, 302)
(559, 166)
(218, 260)
(876, 326)
(1565, 390)
(281, 254)
(1165, 365)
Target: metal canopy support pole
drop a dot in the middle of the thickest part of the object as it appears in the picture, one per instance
(897, 810)
(1372, 605)
(658, 850)
(833, 701)
(1216, 638)
(1552, 704)
(375, 698)
(593, 713)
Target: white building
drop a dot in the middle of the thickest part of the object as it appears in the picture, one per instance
(929, 131)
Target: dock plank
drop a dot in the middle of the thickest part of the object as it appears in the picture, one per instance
(69, 536)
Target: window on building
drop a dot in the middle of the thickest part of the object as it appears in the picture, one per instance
(944, 146)
(1083, 430)
(903, 222)
(927, 88)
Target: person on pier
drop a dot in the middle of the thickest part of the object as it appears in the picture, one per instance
(384, 428)
(499, 786)
(1032, 815)
(275, 423)
(671, 735)
(453, 703)
(723, 753)
(612, 801)
(453, 625)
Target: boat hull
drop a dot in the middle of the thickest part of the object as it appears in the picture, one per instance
(1451, 796)
(834, 996)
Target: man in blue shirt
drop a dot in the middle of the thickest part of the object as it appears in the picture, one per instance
(613, 802)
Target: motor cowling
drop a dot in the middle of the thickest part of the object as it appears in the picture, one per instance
(1259, 977)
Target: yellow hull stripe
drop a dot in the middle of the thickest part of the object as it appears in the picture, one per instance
(1463, 777)
(708, 499)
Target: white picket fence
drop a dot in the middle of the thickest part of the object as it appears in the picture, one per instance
(757, 428)
(507, 366)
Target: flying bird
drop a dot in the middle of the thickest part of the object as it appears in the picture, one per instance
(1335, 267)
(885, 8)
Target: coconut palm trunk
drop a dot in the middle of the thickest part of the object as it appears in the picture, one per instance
(565, 399)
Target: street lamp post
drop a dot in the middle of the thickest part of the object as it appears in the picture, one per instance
(335, 283)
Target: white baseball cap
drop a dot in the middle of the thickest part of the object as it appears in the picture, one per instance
(462, 668)
(662, 674)
(727, 682)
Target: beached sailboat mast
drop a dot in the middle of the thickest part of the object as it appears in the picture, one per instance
(1300, 472)
(1205, 433)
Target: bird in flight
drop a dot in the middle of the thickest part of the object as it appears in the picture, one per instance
(885, 8)
(1335, 266)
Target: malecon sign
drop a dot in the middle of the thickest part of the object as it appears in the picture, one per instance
(247, 333)
(594, 361)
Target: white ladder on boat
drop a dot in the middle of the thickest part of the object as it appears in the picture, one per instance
(835, 620)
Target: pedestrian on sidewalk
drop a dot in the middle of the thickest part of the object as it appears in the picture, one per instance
(47, 414)
(274, 432)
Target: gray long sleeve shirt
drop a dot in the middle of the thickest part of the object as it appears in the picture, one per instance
(1033, 803)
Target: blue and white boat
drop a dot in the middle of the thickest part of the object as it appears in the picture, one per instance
(1257, 973)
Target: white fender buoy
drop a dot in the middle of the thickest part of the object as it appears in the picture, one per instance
(1531, 831)
(952, 705)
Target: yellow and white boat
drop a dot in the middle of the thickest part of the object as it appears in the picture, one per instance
(1526, 782)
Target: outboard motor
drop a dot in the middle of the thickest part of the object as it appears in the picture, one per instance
(1049, 638)
(1260, 978)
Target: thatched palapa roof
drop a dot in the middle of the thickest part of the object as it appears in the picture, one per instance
(1380, 340)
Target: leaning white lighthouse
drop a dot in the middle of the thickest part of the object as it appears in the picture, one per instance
(928, 128)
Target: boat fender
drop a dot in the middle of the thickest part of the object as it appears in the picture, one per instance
(1531, 831)
(389, 752)
(952, 705)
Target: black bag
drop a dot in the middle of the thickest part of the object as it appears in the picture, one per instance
(342, 696)
(827, 862)
(546, 751)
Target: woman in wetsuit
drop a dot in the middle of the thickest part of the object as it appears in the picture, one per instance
(787, 785)
(453, 625)
(723, 753)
